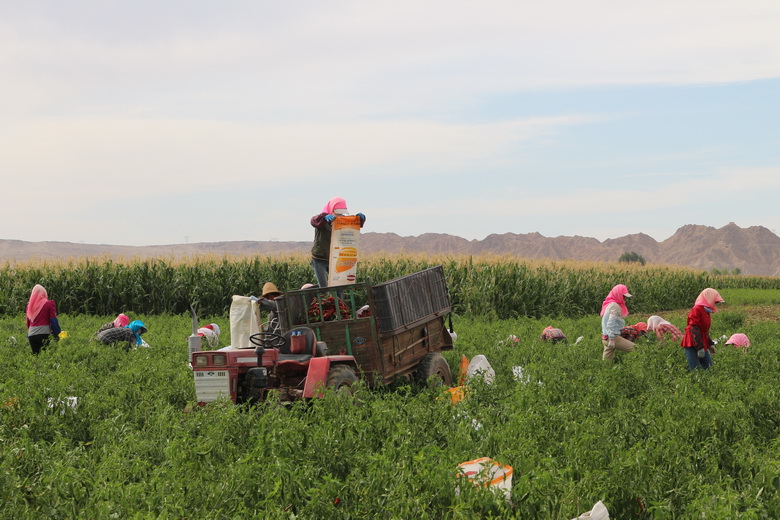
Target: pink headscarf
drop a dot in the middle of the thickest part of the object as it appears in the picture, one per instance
(38, 297)
(121, 321)
(617, 295)
(708, 298)
(654, 321)
(738, 340)
(334, 203)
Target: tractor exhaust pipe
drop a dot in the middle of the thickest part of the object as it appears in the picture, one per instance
(194, 342)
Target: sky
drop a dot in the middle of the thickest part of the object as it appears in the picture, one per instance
(147, 122)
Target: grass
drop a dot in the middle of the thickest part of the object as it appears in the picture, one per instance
(737, 297)
(642, 434)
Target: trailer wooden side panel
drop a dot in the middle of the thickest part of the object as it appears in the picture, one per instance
(402, 351)
(359, 336)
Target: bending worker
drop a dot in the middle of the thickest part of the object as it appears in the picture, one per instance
(613, 310)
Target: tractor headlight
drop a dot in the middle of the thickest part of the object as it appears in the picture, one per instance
(200, 360)
(219, 360)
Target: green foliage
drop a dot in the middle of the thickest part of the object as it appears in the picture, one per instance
(494, 289)
(632, 257)
(575, 430)
(726, 281)
(716, 272)
(737, 297)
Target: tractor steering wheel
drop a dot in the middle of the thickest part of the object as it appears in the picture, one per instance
(267, 339)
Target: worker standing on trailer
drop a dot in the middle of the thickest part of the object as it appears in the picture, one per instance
(322, 224)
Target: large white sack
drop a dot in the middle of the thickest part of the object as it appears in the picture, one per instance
(599, 512)
(244, 321)
(480, 367)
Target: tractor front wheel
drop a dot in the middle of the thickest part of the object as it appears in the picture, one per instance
(341, 378)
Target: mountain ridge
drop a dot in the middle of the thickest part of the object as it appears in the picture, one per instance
(754, 250)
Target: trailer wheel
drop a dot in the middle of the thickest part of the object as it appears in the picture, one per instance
(341, 378)
(434, 365)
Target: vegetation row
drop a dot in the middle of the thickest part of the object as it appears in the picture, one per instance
(498, 287)
(644, 435)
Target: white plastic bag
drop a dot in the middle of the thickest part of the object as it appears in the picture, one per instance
(599, 512)
(487, 472)
(211, 336)
(480, 367)
(63, 405)
(244, 321)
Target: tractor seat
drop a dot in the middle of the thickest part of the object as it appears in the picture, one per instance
(295, 354)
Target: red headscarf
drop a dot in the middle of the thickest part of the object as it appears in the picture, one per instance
(334, 203)
(617, 295)
(641, 326)
(709, 297)
(38, 297)
(121, 321)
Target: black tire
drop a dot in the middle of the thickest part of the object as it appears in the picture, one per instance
(341, 378)
(433, 365)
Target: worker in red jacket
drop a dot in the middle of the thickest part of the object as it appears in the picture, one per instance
(696, 341)
(41, 318)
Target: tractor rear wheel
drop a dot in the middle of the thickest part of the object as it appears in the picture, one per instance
(433, 365)
(341, 378)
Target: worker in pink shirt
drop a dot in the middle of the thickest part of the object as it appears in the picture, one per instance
(41, 318)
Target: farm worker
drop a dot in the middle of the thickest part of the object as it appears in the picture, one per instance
(211, 333)
(138, 328)
(554, 335)
(129, 335)
(322, 224)
(632, 332)
(660, 326)
(41, 318)
(120, 321)
(696, 341)
(740, 341)
(266, 302)
(613, 310)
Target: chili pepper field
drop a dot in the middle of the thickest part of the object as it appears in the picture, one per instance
(642, 434)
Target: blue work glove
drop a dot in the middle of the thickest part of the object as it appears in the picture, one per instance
(362, 217)
(329, 218)
(54, 324)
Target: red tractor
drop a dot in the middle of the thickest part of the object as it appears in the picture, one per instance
(331, 336)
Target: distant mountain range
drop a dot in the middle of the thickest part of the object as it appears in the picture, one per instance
(754, 250)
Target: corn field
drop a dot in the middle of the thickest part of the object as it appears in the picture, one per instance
(495, 287)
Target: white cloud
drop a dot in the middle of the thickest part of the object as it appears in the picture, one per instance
(702, 193)
(278, 95)
(212, 154)
(378, 57)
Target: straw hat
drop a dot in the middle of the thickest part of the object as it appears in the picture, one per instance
(269, 289)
